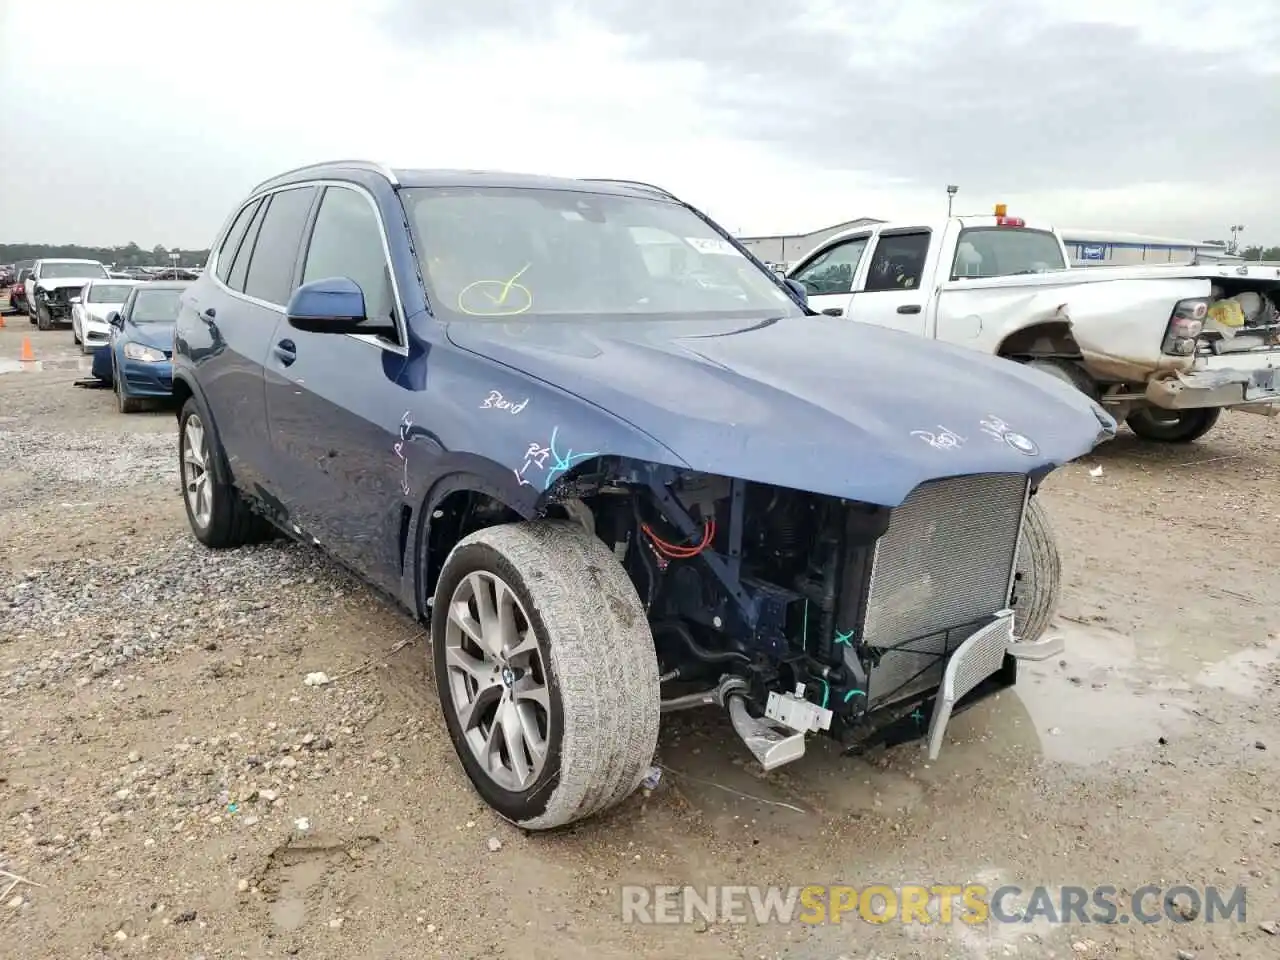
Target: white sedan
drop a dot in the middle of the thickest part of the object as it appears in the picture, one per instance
(90, 309)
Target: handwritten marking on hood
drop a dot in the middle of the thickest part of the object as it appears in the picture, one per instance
(944, 439)
(538, 456)
(496, 401)
(997, 429)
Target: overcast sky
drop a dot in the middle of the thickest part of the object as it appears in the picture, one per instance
(147, 121)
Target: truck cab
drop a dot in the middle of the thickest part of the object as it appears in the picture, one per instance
(891, 274)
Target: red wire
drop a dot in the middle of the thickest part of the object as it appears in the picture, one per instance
(676, 551)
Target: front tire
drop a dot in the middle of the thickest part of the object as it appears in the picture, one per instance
(124, 402)
(44, 319)
(1038, 575)
(1173, 426)
(546, 671)
(219, 516)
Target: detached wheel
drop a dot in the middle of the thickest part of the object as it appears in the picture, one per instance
(219, 516)
(1173, 426)
(1039, 575)
(546, 671)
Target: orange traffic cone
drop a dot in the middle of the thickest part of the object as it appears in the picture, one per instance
(27, 353)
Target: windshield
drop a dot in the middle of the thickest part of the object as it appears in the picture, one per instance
(551, 254)
(63, 271)
(155, 306)
(108, 293)
(1005, 251)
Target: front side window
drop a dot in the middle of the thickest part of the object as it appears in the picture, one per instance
(108, 292)
(66, 271)
(156, 306)
(493, 252)
(347, 242)
(833, 270)
(1005, 251)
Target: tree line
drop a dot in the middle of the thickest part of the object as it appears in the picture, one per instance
(129, 255)
(1260, 253)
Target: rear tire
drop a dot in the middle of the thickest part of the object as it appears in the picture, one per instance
(1069, 373)
(219, 516)
(1173, 426)
(586, 627)
(1039, 575)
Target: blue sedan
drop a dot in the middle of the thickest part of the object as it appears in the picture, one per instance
(141, 346)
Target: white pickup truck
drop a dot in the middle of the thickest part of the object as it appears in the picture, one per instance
(1165, 348)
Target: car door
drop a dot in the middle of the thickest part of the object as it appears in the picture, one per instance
(239, 308)
(893, 292)
(333, 403)
(829, 275)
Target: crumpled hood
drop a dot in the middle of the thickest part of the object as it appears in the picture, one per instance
(819, 404)
(59, 283)
(158, 335)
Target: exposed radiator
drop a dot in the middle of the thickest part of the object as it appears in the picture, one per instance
(944, 564)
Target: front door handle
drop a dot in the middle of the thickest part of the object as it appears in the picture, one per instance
(208, 313)
(286, 352)
(909, 308)
(834, 311)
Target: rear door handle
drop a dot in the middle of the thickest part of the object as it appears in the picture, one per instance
(909, 308)
(834, 311)
(286, 352)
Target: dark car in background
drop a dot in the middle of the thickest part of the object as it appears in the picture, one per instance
(18, 292)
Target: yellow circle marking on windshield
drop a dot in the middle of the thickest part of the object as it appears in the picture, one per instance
(507, 296)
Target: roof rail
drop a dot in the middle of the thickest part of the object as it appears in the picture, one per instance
(633, 183)
(369, 165)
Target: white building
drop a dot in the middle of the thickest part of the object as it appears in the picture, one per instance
(1107, 247)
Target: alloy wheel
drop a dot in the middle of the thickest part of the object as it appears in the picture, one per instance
(497, 680)
(196, 482)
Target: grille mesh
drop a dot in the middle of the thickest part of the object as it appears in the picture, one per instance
(943, 564)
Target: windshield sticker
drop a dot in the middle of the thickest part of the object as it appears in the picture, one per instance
(496, 298)
(997, 429)
(496, 401)
(713, 245)
(549, 459)
(405, 424)
(944, 439)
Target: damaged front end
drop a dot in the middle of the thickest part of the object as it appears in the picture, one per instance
(58, 301)
(798, 612)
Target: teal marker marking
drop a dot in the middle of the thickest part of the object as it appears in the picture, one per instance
(853, 693)
(845, 638)
(918, 717)
(826, 692)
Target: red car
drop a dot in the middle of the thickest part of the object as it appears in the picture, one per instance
(18, 297)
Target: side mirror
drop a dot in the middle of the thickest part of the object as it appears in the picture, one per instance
(333, 305)
(73, 300)
(113, 318)
(798, 288)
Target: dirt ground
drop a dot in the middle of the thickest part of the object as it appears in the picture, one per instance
(171, 787)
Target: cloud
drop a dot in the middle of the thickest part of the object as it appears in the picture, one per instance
(772, 117)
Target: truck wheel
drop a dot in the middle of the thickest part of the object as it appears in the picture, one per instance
(546, 671)
(1039, 575)
(1173, 426)
(1068, 372)
(44, 319)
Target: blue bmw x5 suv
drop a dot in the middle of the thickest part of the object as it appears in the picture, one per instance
(620, 466)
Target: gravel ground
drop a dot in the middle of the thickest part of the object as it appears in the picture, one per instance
(177, 789)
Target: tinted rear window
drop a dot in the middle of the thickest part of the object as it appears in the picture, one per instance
(1005, 251)
(275, 254)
